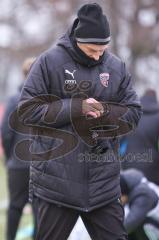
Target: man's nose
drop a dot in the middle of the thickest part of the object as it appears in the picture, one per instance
(96, 56)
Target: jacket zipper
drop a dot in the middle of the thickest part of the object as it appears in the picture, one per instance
(86, 184)
(44, 168)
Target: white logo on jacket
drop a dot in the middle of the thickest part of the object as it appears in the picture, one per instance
(70, 82)
(70, 73)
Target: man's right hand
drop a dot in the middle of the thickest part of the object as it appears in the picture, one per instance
(92, 108)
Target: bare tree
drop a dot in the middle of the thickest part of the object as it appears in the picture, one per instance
(33, 26)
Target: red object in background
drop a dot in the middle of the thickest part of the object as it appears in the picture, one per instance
(1, 115)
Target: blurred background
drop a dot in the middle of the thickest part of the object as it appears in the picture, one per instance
(29, 27)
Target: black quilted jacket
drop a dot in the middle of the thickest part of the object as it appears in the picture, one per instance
(80, 172)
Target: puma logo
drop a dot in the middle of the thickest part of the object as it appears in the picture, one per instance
(71, 73)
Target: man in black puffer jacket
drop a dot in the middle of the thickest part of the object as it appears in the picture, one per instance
(141, 197)
(75, 170)
(17, 171)
(142, 146)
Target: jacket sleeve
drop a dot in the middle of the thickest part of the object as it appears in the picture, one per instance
(6, 133)
(37, 106)
(128, 97)
(139, 208)
(125, 111)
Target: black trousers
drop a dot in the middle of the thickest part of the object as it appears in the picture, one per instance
(56, 223)
(18, 186)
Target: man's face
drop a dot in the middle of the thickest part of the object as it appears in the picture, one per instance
(92, 50)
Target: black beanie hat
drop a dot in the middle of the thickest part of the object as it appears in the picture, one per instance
(93, 26)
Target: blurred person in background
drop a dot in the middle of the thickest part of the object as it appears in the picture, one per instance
(17, 171)
(141, 148)
(141, 201)
(68, 83)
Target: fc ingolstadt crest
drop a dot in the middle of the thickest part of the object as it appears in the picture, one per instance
(104, 78)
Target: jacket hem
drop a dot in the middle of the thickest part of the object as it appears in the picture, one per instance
(82, 209)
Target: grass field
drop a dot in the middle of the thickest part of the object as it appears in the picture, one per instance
(26, 221)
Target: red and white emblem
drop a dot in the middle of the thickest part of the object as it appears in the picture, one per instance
(104, 78)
